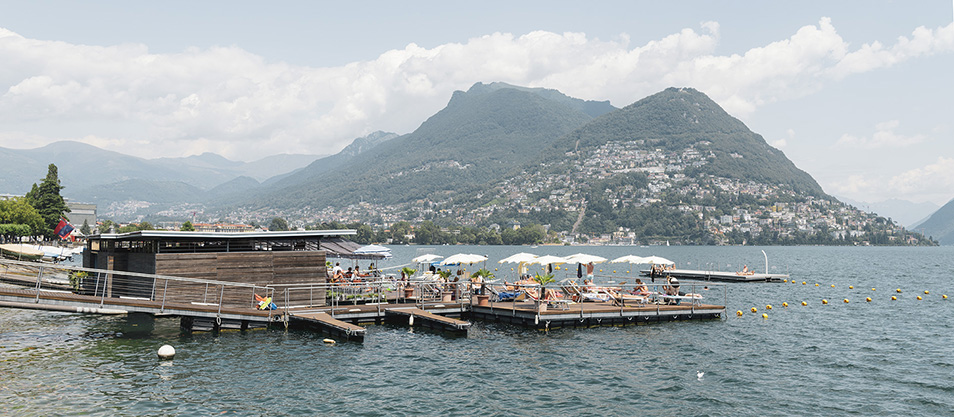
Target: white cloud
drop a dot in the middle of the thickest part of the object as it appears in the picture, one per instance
(932, 182)
(883, 137)
(232, 102)
(783, 142)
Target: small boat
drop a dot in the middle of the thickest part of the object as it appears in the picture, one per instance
(20, 252)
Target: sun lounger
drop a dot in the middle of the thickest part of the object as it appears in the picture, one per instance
(500, 296)
(694, 299)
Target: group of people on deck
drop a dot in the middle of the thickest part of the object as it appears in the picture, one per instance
(351, 275)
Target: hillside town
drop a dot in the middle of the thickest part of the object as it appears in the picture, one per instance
(728, 210)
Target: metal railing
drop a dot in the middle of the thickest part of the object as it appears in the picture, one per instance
(111, 284)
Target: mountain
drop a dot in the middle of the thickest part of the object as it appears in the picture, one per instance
(679, 119)
(592, 108)
(97, 175)
(940, 225)
(479, 137)
(672, 167)
(909, 214)
(139, 190)
(332, 162)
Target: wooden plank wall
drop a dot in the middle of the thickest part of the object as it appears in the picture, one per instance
(260, 268)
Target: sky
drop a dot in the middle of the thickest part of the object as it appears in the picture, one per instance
(857, 93)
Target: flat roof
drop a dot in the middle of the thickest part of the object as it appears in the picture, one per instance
(175, 234)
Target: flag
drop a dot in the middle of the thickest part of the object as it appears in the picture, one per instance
(63, 228)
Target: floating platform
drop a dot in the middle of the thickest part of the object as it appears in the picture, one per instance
(590, 314)
(415, 316)
(695, 275)
(330, 325)
(210, 305)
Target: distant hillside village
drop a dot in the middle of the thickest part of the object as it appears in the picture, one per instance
(705, 208)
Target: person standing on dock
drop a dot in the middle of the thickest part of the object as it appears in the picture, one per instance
(589, 271)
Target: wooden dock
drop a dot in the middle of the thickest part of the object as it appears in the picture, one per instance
(330, 325)
(591, 314)
(212, 305)
(696, 275)
(415, 316)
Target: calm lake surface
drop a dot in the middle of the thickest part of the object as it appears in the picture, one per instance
(879, 358)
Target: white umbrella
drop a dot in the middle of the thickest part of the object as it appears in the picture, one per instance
(582, 258)
(518, 258)
(463, 258)
(548, 259)
(658, 260)
(633, 259)
(426, 258)
(373, 250)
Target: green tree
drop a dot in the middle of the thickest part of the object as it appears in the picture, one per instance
(85, 229)
(106, 226)
(17, 211)
(46, 199)
(187, 227)
(278, 224)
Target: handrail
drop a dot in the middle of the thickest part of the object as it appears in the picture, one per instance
(127, 273)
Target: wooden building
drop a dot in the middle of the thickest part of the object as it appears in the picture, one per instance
(262, 258)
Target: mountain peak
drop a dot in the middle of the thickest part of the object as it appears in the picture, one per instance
(590, 107)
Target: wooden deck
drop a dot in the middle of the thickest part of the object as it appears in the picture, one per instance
(696, 275)
(344, 321)
(589, 314)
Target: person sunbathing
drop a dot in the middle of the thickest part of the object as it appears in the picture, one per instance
(641, 288)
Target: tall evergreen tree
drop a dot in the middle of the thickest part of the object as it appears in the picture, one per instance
(46, 199)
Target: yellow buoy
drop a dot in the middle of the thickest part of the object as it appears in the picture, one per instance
(824, 301)
(898, 290)
(851, 287)
(919, 297)
(764, 316)
(927, 292)
(738, 313)
(614, 271)
(784, 280)
(872, 289)
(833, 285)
(803, 282)
(868, 299)
(894, 298)
(944, 296)
(784, 304)
(804, 303)
(846, 301)
(768, 306)
(816, 284)
(754, 309)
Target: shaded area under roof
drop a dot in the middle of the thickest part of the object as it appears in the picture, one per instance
(336, 247)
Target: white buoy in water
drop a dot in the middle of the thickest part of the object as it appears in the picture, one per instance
(167, 352)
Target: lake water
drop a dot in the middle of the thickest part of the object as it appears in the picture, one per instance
(879, 358)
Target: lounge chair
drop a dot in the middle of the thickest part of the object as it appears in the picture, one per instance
(500, 296)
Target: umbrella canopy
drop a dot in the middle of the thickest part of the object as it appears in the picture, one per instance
(582, 258)
(426, 258)
(633, 259)
(658, 260)
(548, 259)
(518, 258)
(463, 258)
(373, 250)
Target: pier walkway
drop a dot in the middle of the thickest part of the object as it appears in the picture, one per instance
(696, 275)
(204, 305)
